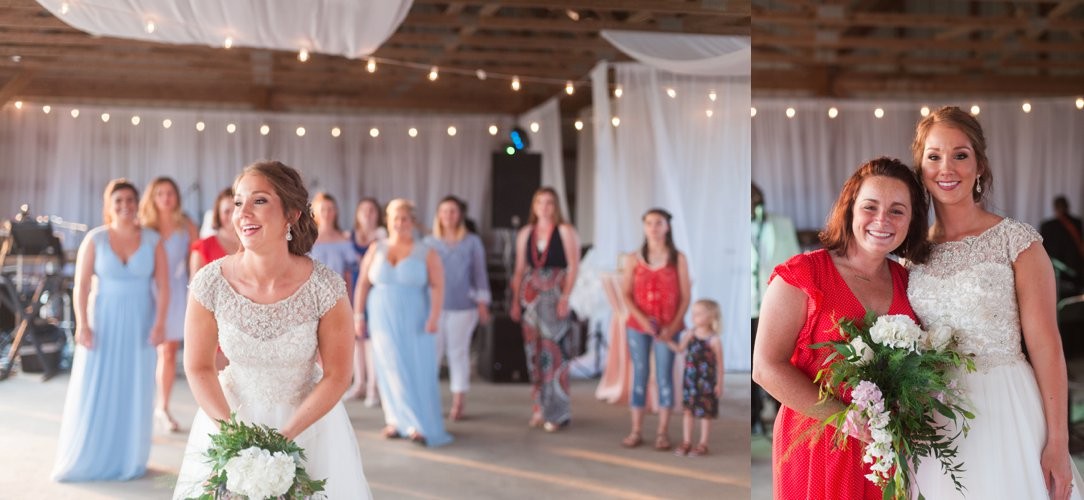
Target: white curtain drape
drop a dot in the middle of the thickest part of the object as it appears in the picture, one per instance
(800, 163)
(60, 164)
(708, 55)
(547, 141)
(345, 28)
(585, 178)
(668, 152)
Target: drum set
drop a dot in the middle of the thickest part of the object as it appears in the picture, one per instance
(37, 320)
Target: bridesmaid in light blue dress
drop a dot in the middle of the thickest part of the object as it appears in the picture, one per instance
(402, 284)
(160, 210)
(105, 431)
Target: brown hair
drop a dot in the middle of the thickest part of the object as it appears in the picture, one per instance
(114, 186)
(287, 183)
(837, 235)
(323, 197)
(461, 228)
(952, 116)
(376, 205)
(557, 218)
(216, 220)
(672, 258)
(148, 211)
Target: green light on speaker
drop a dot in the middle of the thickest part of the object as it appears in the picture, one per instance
(510, 150)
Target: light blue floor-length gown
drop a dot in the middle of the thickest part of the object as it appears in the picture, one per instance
(105, 430)
(404, 353)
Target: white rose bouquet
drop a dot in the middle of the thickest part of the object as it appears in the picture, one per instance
(256, 462)
(900, 378)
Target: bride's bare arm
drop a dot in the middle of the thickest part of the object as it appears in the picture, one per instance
(200, 346)
(1037, 298)
(335, 335)
(782, 315)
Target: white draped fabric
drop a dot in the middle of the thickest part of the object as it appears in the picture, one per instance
(345, 28)
(708, 55)
(585, 179)
(60, 164)
(667, 152)
(547, 141)
(802, 162)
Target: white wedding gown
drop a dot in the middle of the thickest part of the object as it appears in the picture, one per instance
(272, 353)
(969, 286)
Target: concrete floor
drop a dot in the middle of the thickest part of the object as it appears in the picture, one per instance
(495, 455)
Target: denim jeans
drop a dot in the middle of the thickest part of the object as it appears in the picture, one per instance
(640, 347)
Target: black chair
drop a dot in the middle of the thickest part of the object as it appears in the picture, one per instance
(1071, 329)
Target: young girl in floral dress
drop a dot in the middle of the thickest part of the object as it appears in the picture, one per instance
(703, 380)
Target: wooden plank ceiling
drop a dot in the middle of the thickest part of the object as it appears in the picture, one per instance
(42, 59)
(896, 48)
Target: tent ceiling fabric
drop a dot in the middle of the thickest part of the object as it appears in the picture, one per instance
(706, 55)
(546, 43)
(345, 28)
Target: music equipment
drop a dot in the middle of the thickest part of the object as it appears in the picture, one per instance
(46, 348)
(513, 181)
(501, 357)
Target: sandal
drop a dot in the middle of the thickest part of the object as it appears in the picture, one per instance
(632, 440)
(700, 450)
(683, 449)
(536, 421)
(662, 442)
(390, 432)
(417, 438)
(552, 427)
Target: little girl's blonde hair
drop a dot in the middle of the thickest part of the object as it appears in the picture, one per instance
(713, 310)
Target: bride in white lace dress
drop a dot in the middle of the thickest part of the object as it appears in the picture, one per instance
(274, 312)
(989, 279)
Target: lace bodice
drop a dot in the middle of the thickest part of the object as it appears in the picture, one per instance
(271, 347)
(969, 285)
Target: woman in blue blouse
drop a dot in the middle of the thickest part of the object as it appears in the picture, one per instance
(466, 294)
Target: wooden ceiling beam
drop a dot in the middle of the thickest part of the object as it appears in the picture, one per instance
(866, 84)
(911, 20)
(911, 44)
(15, 85)
(806, 60)
(566, 25)
(740, 9)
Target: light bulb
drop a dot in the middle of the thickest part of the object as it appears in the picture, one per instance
(265, 129)
(925, 111)
(18, 104)
(569, 88)
(879, 113)
(791, 112)
(752, 112)
(975, 110)
(231, 128)
(615, 121)
(618, 92)
(370, 65)
(671, 92)
(303, 55)
(150, 26)
(709, 113)
(167, 123)
(578, 124)
(481, 74)
(46, 109)
(413, 132)
(105, 117)
(200, 126)
(135, 120)
(1080, 103)
(64, 8)
(451, 131)
(228, 42)
(492, 130)
(1026, 107)
(515, 83)
(75, 113)
(301, 131)
(833, 112)
(433, 73)
(336, 132)
(712, 95)
(534, 127)
(374, 132)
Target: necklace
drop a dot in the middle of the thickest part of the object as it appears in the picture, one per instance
(539, 258)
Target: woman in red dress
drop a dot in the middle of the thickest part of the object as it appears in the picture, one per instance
(881, 210)
(223, 242)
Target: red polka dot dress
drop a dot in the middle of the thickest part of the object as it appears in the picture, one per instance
(806, 464)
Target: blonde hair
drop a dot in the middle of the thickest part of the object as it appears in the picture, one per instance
(461, 227)
(398, 204)
(148, 211)
(713, 310)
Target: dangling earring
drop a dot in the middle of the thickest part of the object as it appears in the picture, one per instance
(289, 234)
(978, 185)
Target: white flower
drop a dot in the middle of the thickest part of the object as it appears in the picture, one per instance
(938, 337)
(257, 473)
(896, 330)
(863, 351)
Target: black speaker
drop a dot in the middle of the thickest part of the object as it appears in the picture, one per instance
(502, 358)
(514, 180)
(51, 339)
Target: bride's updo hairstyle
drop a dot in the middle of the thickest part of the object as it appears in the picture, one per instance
(954, 117)
(837, 236)
(289, 187)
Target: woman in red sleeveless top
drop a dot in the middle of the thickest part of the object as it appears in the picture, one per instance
(223, 242)
(880, 210)
(656, 286)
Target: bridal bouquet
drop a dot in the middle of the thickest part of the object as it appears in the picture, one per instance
(256, 462)
(900, 378)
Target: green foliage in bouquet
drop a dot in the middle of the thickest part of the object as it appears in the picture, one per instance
(235, 436)
(915, 373)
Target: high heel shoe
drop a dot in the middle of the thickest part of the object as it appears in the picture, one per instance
(165, 421)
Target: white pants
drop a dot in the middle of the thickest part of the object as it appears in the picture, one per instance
(454, 334)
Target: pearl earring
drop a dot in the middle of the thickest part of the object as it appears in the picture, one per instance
(289, 233)
(978, 185)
